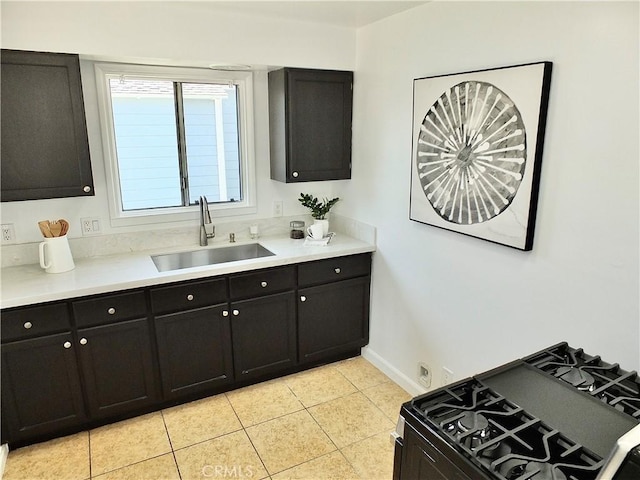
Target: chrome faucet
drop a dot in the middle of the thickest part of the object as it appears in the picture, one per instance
(207, 229)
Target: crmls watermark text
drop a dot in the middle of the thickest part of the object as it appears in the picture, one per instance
(228, 471)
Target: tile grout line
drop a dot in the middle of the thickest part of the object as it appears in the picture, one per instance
(244, 430)
(173, 452)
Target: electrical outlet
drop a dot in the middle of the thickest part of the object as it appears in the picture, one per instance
(424, 374)
(447, 376)
(8, 234)
(90, 226)
(277, 208)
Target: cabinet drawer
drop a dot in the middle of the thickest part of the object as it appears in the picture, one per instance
(263, 282)
(334, 269)
(187, 296)
(32, 321)
(109, 309)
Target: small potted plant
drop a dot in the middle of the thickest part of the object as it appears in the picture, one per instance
(319, 210)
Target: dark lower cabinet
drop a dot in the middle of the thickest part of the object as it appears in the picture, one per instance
(194, 350)
(75, 364)
(263, 331)
(333, 318)
(117, 365)
(41, 391)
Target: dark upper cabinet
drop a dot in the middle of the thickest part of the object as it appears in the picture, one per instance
(310, 124)
(45, 150)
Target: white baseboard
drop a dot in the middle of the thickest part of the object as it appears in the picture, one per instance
(4, 453)
(412, 387)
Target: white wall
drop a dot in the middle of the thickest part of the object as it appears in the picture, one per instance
(467, 304)
(184, 33)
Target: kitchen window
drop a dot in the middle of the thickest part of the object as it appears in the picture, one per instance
(173, 134)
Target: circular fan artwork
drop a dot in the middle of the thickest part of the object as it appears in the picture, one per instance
(471, 153)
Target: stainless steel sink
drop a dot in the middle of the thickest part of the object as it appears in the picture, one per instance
(211, 256)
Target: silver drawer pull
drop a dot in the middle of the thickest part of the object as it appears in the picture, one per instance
(294, 174)
(66, 344)
(263, 284)
(86, 189)
(28, 325)
(225, 313)
(337, 270)
(236, 313)
(303, 298)
(83, 341)
(189, 297)
(111, 311)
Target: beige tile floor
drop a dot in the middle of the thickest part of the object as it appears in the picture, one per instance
(331, 422)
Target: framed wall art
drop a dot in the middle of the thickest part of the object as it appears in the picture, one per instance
(477, 151)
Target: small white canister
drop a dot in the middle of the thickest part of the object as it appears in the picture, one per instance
(55, 255)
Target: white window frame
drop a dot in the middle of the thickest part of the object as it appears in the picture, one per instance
(243, 80)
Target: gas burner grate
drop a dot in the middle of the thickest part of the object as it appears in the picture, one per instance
(608, 382)
(503, 438)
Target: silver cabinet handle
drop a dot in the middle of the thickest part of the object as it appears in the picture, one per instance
(263, 284)
(83, 341)
(236, 313)
(225, 313)
(86, 189)
(111, 311)
(294, 174)
(66, 344)
(337, 270)
(28, 325)
(303, 298)
(189, 297)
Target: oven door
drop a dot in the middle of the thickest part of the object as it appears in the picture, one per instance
(419, 455)
(624, 461)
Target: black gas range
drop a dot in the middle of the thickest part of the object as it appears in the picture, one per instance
(554, 415)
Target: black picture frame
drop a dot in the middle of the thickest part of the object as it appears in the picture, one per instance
(477, 143)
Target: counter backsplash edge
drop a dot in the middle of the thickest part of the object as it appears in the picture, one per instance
(113, 244)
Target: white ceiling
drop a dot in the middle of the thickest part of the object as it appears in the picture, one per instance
(343, 13)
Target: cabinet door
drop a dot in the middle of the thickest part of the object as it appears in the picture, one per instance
(333, 318)
(41, 390)
(264, 335)
(310, 124)
(45, 150)
(117, 364)
(194, 350)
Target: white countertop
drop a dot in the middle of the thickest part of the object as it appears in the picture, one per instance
(30, 284)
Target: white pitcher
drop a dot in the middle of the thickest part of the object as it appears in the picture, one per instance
(55, 255)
